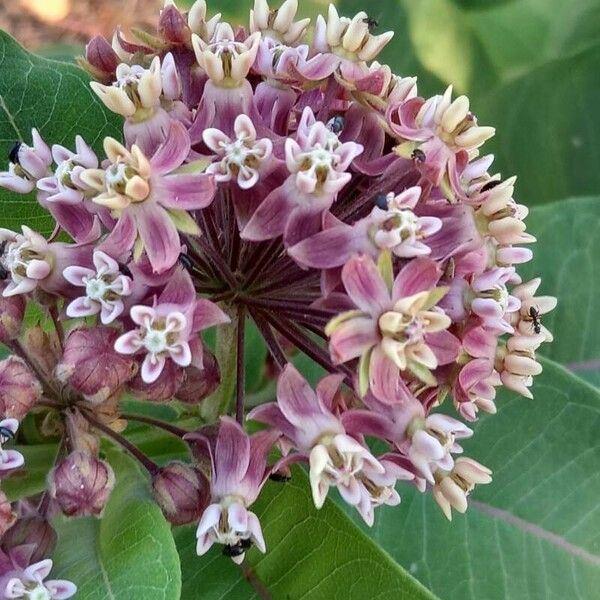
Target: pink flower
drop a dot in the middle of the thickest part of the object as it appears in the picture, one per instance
(150, 199)
(168, 330)
(393, 227)
(318, 163)
(239, 470)
(105, 287)
(9, 459)
(29, 583)
(474, 388)
(492, 301)
(31, 261)
(65, 185)
(392, 330)
(336, 458)
(28, 164)
(241, 158)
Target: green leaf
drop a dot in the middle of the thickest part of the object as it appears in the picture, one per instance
(129, 553)
(32, 478)
(534, 532)
(546, 131)
(311, 555)
(55, 98)
(566, 258)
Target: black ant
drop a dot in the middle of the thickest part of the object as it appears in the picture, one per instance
(13, 154)
(371, 23)
(186, 262)
(279, 477)
(336, 124)
(124, 269)
(536, 321)
(418, 155)
(6, 434)
(237, 549)
(381, 201)
(490, 185)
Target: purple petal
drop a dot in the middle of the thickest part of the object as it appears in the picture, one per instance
(232, 456)
(173, 151)
(159, 235)
(384, 378)
(330, 248)
(365, 286)
(419, 275)
(366, 422)
(352, 338)
(327, 388)
(121, 239)
(207, 314)
(445, 346)
(179, 290)
(271, 216)
(295, 397)
(185, 191)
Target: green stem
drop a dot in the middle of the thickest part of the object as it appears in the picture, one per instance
(220, 402)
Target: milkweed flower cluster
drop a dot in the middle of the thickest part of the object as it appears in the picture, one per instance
(274, 176)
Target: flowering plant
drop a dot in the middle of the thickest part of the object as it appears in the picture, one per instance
(274, 183)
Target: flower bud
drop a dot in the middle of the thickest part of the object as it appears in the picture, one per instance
(182, 492)
(42, 348)
(32, 530)
(19, 389)
(91, 364)
(81, 484)
(172, 26)
(198, 384)
(12, 310)
(163, 389)
(101, 58)
(7, 515)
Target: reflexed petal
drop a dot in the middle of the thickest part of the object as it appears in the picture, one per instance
(232, 456)
(419, 275)
(365, 286)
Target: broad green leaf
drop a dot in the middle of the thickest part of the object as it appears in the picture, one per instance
(546, 132)
(566, 258)
(311, 555)
(55, 98)
(129, 553)
(534, 532)
(32, 478)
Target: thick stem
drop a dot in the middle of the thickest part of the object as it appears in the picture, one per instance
(240, 366)
(148, 464)
(220, 401)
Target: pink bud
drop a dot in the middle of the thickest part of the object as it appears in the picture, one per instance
(19, 389)
(91, 364)
(198, 384)
(12, 310)
(44, 349)
(173, 26)
(7, 516)
(163, 389)
(100, 54)
(81, 484)
(31, 530)
(182, 492)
